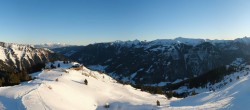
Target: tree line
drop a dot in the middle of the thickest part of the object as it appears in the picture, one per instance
(14, 77)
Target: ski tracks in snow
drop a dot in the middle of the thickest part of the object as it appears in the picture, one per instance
(45, 106)
(31, 96)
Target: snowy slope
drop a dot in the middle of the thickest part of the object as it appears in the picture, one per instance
(233, 96)
(70, 93)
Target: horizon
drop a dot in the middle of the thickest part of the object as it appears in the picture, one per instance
(48, 43)
(83, 22)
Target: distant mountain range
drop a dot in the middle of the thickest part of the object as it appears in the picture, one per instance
(51, 45)
(159, 61)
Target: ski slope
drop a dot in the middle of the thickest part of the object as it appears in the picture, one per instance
(64, 89)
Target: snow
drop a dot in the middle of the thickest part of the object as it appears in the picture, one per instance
(2, 54)
(237, 62)
(233, 96)
(70, 93)
(163, 83)
(165, 42)
(127, 43)
(189, 41)
(133, 75)
(177, 81)
(158, 84)
(52, 45)
(226, 95)
(18, 52)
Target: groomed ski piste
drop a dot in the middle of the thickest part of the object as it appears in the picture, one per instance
(64, 88)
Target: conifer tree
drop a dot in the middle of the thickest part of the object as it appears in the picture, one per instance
(106, 105)
(12, 79)
(52, 66)
(169, 95)
(86, 82)
(158, 103)
(193, 93)
(1, 82)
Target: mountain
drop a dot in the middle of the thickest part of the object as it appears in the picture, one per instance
(161, 61)
(51, 45)
(17, 60)
(65, 88)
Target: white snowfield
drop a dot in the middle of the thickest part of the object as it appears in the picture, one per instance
(64, 89)
(70, 92)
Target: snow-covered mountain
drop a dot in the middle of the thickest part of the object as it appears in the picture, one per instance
(155, 62)
(51, 45)
(22, 56)
(17, 60)
(65, 88)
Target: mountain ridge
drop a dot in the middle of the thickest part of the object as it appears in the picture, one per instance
(51, 45)
(18, 60)
(154, 61)
(191, 41)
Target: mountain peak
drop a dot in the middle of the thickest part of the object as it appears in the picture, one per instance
(245, 40)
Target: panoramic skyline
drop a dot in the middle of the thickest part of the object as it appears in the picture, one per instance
(88, 21)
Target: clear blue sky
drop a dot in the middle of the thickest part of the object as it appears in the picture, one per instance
(89, 21)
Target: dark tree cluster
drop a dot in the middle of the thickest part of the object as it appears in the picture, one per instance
(170, 94)
(150, 89)
(106, 105)
(52, 66)
(66, 62)
(212, 77)
(14, 77)
(36, 68)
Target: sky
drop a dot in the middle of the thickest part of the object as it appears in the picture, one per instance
(83, 22)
